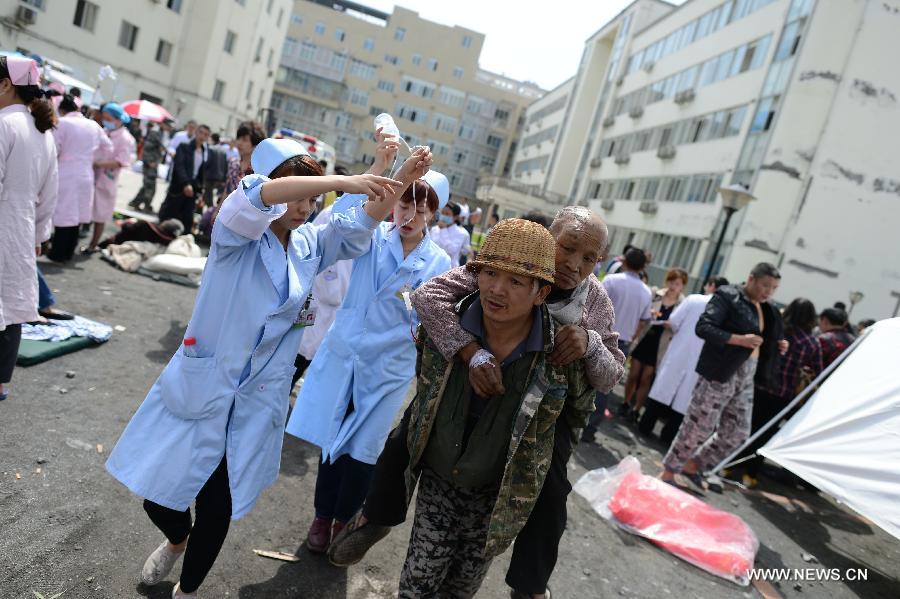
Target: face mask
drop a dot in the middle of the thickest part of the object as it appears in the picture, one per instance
(447, 220)
(109, 125)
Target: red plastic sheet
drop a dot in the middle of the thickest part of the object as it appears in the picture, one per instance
(716, 541)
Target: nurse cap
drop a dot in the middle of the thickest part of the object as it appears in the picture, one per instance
(440, 185)
(22, 70)
(117, 111)
(271, 153)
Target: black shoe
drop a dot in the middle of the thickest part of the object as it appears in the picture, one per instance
(51, 314)
(588, 435)
(623, 409)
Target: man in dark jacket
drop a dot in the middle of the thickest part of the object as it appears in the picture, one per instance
(743, 336)
(188, 179)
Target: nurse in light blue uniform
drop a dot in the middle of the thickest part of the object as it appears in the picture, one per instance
(211, 427)
(358, 379)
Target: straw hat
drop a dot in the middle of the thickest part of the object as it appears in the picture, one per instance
(518, 246)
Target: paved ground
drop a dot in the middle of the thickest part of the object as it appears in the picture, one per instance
(69, 528)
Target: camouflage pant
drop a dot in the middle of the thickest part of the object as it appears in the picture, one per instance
(148, 188)
(446, 546)
(717, 421)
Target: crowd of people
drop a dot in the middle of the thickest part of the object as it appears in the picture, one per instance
(514, 336)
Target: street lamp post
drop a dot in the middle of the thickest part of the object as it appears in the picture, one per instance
(734, 197)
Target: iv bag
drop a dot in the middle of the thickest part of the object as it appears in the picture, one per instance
(386, 123)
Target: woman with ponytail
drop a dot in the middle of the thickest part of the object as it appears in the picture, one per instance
(28, 185)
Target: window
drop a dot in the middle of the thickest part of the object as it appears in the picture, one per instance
(708, 71)
(249, 90)
(391, 59)
(361, 69)
(386, 86)
(230, 38)
(724, 66)
(501, 115)
(417, 59)
(270, 58)
(494, 141)
(457, 73)
(320, 28)
(218, 90)
(734, 122)
(359, 97)
(369, 44)
(467, 132)
(790, 40)
(444, 123)
(487, 163)
(417, 87)
(452, 97)
(433, 64)
(467, 41)
(163, 52)
(399, 34)
(85, 15)
(460, 157)
(339, 35)
(296, 20)
(257, 56)
(174, 5)
(128, 35)
(765, 114)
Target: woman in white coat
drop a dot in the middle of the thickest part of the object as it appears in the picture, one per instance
(28, 175)
(676, 375)
(358, 379)
(211, 428)
(77, 140)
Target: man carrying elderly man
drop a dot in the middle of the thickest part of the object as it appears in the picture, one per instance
(582, 334)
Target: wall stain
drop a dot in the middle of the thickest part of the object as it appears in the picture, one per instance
(806, 155)
(801, 243)
(778, 165)
(868, 89)
(760, 244)
(828, 75)
(813, 269)
(886, 186)
(833, 170)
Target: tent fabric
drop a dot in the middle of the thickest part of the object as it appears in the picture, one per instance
(846, 439)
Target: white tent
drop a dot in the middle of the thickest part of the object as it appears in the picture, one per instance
(846, 439)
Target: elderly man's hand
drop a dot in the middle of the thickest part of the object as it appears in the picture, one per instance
(485, 375)
(571, 345)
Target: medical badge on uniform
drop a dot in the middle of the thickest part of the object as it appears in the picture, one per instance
(307, 315)
(403, 295)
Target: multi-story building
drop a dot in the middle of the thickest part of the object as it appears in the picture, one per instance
(794, 99)
(343, 63)
(212, 61)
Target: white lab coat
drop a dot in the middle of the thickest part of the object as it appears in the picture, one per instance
(28, 186)
(328, 293)
(454, 240)
(676, 374)
(229, 394)
(368, 355)
(77, 141)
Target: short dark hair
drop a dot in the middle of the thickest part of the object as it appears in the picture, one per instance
(340, 169)
(635, 259)
(835, 316)
(215, 138)
(717, 281)
(764, 269)
(204, 127)
(254, 130)
(840, 305)
(495, 215)
(627, 247)
(75, 92)
(799, 315)
(454, 208)
(67, 104)
(536, 216)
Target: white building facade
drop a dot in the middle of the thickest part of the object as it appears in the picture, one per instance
(213, 61)
(796, 99)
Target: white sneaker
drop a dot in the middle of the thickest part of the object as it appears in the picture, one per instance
(176, 592)
(159, 564)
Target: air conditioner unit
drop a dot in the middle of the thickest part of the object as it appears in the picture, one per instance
(685, 96)
(648, 207)
(25, 15)
(608, 204)
(636, 112)
(648, 66)
(609, 121)
(666, 152)
(623, 158)
(595, 162)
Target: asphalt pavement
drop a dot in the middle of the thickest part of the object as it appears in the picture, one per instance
(68, 528)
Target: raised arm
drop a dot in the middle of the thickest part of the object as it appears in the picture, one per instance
(435, 301)
(603, 361)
